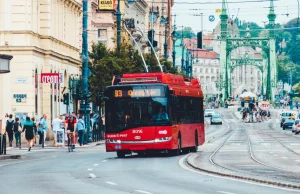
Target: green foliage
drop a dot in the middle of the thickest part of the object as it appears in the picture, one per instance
(296, 88)
(284, 65)
(296, 99)
(105, 64)
(255, 29)
(187, 33)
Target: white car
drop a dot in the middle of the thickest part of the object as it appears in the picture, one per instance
(216, 119)
(208, 112)
(295, 126)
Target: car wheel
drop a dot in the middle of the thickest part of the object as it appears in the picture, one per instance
(195, 148)
(283, 128)
(211, 123)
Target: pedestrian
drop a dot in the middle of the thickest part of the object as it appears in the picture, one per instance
(56, 125)
(9, 129)
(80, 129)
(17, 132)
(29, 132)
(35, 127)
(71, 126)
(43, 129)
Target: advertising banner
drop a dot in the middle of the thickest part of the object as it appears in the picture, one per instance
(107, 5)
(60, 138)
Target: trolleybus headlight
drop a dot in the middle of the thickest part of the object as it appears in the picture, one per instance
(163, 139)
(113, 141)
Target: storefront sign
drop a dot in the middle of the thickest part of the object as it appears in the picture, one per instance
(53, 78)
(107, 5)
(21, 80)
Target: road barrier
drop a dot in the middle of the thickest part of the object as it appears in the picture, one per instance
(96, 134)
(2, 144)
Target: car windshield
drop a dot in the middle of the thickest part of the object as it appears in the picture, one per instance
(289, 121)
(124, 113)
(286, 114)
(216, 116)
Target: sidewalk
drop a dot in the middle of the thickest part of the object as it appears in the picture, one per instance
(15, 153)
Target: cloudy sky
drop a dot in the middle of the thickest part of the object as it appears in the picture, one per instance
(256, 11)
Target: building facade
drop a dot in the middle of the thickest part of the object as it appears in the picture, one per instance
(43, 37)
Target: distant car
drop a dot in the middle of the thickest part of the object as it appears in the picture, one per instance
(288, 123)
(216, 119)
(208, 112)
(294, 127)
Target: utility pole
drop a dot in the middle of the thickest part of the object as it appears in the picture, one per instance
(118, 14)
(84, 103)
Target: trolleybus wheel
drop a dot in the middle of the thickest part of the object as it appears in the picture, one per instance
(120, 154)
(195, 148)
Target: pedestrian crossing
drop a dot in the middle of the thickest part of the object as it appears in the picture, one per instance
(240, 121)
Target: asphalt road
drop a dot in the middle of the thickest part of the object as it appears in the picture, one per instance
(91, 170)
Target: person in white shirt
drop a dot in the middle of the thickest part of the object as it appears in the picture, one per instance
(56, 125)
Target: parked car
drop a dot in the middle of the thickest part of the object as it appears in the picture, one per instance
(208, 112)
(216, 119)
(294, 128)
(288, 123)
(287, 115)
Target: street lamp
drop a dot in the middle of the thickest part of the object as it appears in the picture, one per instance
(5, 63)
(174, 45)
(118, 14)
(182, 56)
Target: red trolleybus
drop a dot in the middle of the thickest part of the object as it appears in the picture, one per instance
(153, 111)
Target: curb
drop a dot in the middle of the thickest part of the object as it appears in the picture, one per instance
(102, 143)
(5, 157)
(241, 177)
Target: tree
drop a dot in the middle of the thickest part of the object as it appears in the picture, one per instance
(105, 64)
(255, 29)
(284, 64)
(187, 33)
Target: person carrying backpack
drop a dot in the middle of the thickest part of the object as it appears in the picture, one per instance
(9, 129)
(17, 131)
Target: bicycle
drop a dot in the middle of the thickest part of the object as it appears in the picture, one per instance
(71, 140)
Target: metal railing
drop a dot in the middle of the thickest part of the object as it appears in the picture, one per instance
(97, 134)
(3, 144)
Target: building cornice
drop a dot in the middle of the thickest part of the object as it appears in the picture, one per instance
(40, 37)
(16, 49)
(73, 3)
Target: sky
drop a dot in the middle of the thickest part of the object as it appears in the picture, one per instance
(243, 9)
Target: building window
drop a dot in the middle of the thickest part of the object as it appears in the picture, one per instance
(206, 70)
(212, 70)
(200, 70)
(102, 34)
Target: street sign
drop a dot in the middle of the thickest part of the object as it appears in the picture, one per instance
(21, 80)
(211, 18)
(218, 11)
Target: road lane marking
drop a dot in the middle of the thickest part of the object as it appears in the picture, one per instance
(96, 164)
(224, 192)
(284, 158)
(275, 155)
(104, 160)
(111, 183)
(295, 144)
(141, 191)
(90, 169)
(92, 175)
(297, 160)
(248, 165)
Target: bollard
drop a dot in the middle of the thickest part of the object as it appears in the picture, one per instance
(4, 144)
(43, 139)
(1, 144)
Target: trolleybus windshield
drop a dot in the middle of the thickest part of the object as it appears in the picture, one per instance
(131, 106)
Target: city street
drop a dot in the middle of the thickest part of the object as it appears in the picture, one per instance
(275, 156)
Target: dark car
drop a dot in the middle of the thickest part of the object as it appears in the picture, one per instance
(288, 123)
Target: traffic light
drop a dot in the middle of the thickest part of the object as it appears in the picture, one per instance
(199, 40)
(66, 99)
(151, 35)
